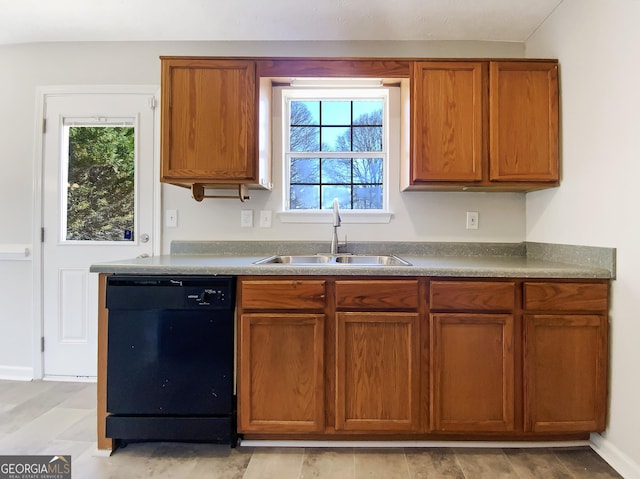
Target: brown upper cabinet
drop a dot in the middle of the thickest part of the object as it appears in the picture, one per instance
(447, 122)
(466, 124)
(484, 125)
(523, 123)
(209, 126)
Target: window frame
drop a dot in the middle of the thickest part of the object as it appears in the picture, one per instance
(96, 122)
(288, 94)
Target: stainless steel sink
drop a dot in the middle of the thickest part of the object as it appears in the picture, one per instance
(335, 260)
(307, 259)
(371, 260)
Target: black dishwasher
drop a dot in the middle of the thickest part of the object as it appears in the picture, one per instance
(170, 358)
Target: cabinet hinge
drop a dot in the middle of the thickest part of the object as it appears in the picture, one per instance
(42, 235)
(152, 102)
(44, 125)
(42, 344)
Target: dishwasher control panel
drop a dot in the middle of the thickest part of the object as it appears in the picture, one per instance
(215, 296)
(143, 293)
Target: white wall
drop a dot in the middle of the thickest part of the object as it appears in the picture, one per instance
(598, 45)
(419, 216)
(16, 331)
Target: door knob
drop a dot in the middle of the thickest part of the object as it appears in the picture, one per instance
(144, 238)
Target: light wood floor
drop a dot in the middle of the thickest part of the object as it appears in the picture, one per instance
(59, 418)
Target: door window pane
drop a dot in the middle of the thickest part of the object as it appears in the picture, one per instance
(100, 182)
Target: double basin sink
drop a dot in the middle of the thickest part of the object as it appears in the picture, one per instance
(335, 260)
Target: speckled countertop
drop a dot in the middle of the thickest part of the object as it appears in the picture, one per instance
(508, 260)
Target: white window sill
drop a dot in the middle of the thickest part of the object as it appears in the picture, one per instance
(326, 216)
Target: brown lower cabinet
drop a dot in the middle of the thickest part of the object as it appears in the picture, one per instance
(565, 356)
(472, 363)
(281, 361)
(377, 373)
(472, 367)
(421, 357)
(285, 384)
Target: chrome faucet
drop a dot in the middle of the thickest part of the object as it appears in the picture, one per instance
(336, 224)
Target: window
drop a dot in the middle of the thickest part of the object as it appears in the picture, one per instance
(335, 146)
(98, 180)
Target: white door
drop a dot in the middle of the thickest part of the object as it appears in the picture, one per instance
(97, 206)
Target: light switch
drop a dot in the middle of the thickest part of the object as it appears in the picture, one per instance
(472, 220)
(265, 219)
(171, 218)
(246, 218)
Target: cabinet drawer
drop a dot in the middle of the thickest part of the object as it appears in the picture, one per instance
(283, 294)
(377, 294)
(472, 296)
(566, 296)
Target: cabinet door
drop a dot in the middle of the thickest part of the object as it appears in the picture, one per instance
(447, 121)
(472, 375)
(208, 121)
(377, 384)
(280, 375)
(523, 121)
(565, 373)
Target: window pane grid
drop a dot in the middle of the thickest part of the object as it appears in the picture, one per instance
(335, 150)
(320, 187)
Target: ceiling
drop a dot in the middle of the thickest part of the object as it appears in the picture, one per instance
(28, 21)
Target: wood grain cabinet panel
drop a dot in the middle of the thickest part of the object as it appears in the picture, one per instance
(566, 296)
(472, 372)
(377, 294)
(523, 123)
(378, 364)
(471, 296)
(283, 294)
(209, 121)
(565, 373)
(281, 379)
(447, 121)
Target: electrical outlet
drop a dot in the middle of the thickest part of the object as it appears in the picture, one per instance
(171, 218)
(265, 219)
(246, 218)
(472, 220)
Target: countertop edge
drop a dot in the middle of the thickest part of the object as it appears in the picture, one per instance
(473, 260)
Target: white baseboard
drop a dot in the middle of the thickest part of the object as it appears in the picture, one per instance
(389, 444)
(71, 379)
(623, 464)
(16, 373)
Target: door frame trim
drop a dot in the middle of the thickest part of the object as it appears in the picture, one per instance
(42, 93)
